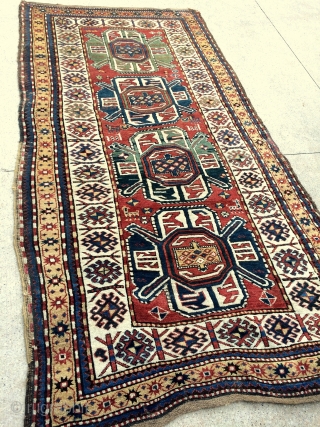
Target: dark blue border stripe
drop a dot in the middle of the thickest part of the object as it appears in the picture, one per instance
(208, 391)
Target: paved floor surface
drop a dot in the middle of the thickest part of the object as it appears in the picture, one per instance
(273, 45)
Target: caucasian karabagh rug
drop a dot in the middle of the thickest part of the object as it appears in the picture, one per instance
(169, 253)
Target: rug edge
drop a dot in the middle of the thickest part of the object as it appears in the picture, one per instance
(20, 258)
(183, 407)
(25, 279)
(214, 402)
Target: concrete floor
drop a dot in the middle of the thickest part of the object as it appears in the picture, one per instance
(273, 45)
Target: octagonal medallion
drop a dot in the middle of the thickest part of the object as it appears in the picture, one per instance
(129, 50)
(149, 99)
(170, 165)
(196, 257)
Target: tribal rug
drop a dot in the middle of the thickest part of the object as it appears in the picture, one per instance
(168, 252)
